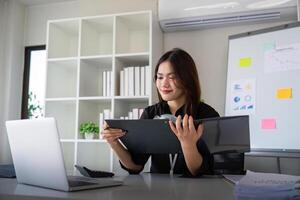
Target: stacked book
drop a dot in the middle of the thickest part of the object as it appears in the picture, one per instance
(107, 80)
(135, 113)
(267, 186)
(106, 114)
(135, 81)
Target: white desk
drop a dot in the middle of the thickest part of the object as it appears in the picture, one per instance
(140, 187)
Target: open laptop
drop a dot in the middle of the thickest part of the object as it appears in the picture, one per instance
(38, 159)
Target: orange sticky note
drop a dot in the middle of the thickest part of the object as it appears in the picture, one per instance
(245, 62)
(268, 123)
(284, 93)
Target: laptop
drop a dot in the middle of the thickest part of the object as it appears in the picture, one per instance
(38, 158)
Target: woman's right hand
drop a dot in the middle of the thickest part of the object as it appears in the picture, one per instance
(111, 135)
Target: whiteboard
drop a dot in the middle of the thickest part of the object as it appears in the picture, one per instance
(263, 81)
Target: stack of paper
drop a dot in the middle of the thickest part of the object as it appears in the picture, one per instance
(267, 186)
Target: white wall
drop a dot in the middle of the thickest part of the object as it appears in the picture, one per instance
(209, 49)
(37, 16)
(3, 22)
(12, 44)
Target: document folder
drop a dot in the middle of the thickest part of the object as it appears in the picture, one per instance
(221, 134)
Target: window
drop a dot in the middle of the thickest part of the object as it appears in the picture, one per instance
(34, 81)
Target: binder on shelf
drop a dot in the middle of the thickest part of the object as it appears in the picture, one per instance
(137, 81)
(148, 77)
(142, 79)
(101, 122)
(104, 83)
(111, 83)
(126, 78)
(107, 114)
(130, 115)
(122, 83)
(108, 83)
(131, 81)
(141, 110)
(135, 113)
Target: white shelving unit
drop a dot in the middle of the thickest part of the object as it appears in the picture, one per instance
(78, 51)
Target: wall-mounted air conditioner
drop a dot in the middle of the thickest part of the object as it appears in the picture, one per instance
(194, 14)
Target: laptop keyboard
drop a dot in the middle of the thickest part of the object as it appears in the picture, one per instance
(77, 182)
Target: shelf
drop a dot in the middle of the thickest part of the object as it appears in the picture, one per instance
(95, 156)
(95, 141)
(132, 98)
(109, 56)
(68, 153)
(96, 98)
(61, 99)
(65, 114)
(97, 36)
(79, 50)
(63, 39)
(67, 140)
(62, 59)
(134, 59)
(91, 75)
(89, 110)
(61, 79)
(132, 33)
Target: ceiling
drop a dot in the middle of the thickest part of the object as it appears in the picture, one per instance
(41, 2)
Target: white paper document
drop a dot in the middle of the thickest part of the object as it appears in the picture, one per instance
(268, 181)
(267, 186)
(282, 58)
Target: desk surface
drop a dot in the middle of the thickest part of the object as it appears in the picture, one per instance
(145, 186)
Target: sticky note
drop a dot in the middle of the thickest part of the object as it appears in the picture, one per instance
(245, 62)
(268, 123)
(284, 93)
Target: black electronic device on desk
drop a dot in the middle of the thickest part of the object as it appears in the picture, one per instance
(93, 173)
(227, 139)
(7, 171)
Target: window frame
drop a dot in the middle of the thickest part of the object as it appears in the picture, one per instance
(26, 76)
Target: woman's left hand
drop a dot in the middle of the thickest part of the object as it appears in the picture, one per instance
(186, 133)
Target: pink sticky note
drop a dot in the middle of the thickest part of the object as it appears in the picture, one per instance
(268, 123)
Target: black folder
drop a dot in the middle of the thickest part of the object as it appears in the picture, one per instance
(154, 136)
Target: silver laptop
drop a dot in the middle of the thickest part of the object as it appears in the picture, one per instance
(38, 159)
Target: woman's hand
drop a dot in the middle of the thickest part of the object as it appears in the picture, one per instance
(187, 133)
(111, 135)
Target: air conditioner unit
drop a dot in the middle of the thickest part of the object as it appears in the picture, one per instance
(195, 14)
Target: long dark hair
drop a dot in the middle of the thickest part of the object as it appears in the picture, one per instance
(187, 77)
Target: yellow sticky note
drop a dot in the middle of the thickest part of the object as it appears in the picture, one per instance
(245, 62)
(284, 93)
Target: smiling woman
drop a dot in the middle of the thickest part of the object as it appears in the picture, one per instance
(178, 87)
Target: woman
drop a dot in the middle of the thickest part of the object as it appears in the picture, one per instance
(179, 94)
